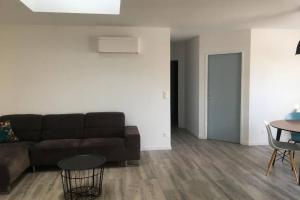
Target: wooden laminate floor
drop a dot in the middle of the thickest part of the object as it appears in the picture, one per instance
(194, 169)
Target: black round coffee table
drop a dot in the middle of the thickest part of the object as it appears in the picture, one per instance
(82, 176)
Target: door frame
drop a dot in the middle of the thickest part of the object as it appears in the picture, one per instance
(243, 130)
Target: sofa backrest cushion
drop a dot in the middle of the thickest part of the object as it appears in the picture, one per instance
(62, 126)
(26, 127)
(103, 125)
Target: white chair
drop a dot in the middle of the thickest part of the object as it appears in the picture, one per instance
(276, 146)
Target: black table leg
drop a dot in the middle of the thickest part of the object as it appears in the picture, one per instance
(277, 138)
(278, 134)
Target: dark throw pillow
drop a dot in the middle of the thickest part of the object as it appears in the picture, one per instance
(6, 133)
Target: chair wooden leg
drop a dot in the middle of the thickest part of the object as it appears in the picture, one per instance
(291, 161)
(294, 155)
(273, 157)
(293, 165)
(295, 168)
(274, 160)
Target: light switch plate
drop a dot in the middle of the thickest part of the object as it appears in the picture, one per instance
(165, 95)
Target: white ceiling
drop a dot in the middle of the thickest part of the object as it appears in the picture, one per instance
(186, 18)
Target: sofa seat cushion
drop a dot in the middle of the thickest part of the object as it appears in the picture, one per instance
(113, 149)
(14, 160)
(50, 152)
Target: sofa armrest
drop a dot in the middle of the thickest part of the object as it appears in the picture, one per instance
(133, 142)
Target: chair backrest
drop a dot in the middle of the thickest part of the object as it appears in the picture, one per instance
(270, 136)
(293, 116)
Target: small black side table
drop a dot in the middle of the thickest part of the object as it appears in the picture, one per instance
(82, 176)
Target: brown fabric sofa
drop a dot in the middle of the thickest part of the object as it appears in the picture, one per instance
(45, 140)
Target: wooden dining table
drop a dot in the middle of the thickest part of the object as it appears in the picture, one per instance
(286, 125)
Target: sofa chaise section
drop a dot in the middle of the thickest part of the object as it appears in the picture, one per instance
(14, 161)
(14, 157)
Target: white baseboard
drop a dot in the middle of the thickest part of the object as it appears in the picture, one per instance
(202, 137)
(155, 148)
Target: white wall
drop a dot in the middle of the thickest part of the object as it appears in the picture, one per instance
(219, 43)
(270, 71)
(178, 53)
(274, 81)
(56, 69)
(192, 86)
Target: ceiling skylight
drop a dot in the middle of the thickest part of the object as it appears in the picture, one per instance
(111, 7)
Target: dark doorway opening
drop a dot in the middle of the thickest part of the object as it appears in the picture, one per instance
(174, 93)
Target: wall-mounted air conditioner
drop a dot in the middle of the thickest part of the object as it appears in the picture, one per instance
(119, 45)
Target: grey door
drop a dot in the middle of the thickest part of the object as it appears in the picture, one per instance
(224, 97)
